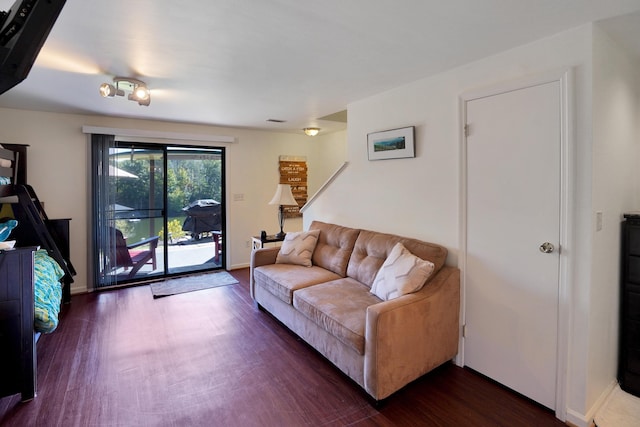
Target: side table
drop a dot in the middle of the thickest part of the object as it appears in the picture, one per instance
(258, 242)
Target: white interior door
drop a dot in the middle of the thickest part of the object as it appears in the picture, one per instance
(513, 152)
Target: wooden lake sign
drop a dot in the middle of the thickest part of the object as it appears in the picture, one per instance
(293, 171)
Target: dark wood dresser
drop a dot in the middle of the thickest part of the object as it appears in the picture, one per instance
(629, 352)
(17, 341)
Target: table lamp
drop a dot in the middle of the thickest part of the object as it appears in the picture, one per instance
(283, 197)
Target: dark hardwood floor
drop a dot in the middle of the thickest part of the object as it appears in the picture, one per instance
(211, 358)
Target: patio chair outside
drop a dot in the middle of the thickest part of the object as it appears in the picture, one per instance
(126, 256)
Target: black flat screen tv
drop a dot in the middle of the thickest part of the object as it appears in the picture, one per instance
(23, 30)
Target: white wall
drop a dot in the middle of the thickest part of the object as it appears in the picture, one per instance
(416, 197)
(616, 150)
(59, 153)
(419, 197)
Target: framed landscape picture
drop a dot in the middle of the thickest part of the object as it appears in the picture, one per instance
(391, 144)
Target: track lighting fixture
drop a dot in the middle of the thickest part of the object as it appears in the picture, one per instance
(140, 93)
(108, 90)
(311, 131)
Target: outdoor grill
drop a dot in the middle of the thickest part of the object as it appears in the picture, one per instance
(203, 216)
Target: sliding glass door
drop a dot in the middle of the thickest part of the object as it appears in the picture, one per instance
(158, 211)
(194, 209)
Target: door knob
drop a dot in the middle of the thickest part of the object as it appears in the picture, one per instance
(546, 248)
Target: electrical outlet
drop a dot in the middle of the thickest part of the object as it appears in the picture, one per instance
(598, 221)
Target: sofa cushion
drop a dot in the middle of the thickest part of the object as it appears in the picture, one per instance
(372, 249)
(339, 307)
(401, 273)
(297, 248)
(282, 279)
(334, 247)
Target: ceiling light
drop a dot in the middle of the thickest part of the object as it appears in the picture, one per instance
(140, 93)
(311, 131)
(107, 89)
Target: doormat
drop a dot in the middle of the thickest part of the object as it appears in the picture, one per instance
(191, 283)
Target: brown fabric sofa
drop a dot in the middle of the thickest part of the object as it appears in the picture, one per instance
(381, 345)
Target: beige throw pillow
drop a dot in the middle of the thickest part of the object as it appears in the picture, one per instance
(297, 248)
(401, 273)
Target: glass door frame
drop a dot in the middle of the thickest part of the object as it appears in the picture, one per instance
(101, 178)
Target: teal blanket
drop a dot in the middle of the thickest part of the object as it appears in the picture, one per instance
(48, 291)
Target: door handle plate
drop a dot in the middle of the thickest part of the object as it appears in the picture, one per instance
(546, 248)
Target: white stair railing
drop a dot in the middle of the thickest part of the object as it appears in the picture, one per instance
(324, 186)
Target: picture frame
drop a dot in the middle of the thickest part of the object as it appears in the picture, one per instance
(391, 144)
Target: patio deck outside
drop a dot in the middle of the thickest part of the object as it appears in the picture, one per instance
(187, 252)
(186, 255)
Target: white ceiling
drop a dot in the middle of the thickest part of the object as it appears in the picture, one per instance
(239, 63)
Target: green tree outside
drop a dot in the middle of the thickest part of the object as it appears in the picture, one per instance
(187, 181)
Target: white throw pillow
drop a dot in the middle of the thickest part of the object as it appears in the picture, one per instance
(401, 273)
(297, 248)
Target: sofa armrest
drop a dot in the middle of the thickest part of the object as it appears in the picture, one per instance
(408, 336)
(264, 256)
(259, 257)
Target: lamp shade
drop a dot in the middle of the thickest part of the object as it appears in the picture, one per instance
(283, 196)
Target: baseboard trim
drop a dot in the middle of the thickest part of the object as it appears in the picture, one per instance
(238, 266)
(577, 419)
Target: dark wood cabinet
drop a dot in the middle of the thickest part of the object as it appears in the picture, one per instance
(35, 230)
(629, 351)
(17, 341)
